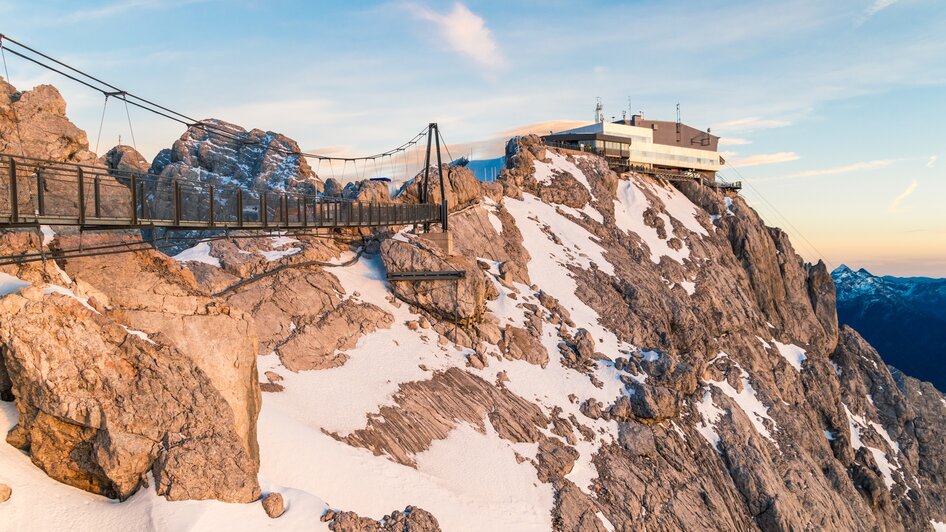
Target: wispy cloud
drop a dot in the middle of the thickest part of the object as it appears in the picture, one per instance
(895, 204)
(733, 141)
(876, 7)
(465, 32)
(932, 161)
(764, 158)
(752, 123)
(835, 170)
(122, 6)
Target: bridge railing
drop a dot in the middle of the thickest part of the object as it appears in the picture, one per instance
(37, 191)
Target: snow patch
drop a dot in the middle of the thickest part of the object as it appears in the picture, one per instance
(198, 253)
(747, 400)
(710, 414)
(629, 210)
(792, 353)
(544, 172)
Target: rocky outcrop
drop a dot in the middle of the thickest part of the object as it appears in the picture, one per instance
(221, 153)
(100, 406)
(125, 159)
(412, 519)
(465, 303)
(149, 292)
(428, 410)
(460, 185)
(37, 117)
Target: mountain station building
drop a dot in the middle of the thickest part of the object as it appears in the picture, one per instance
(649, 145)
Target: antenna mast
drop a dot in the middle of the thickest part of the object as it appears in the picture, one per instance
(678, 123)
(599, 110)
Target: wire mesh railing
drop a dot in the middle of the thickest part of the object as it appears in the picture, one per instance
(37, 191)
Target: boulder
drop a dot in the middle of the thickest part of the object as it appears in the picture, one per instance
(273, 505)
(101, 406)
(5, 493)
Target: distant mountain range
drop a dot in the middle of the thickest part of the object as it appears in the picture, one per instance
(904, 318)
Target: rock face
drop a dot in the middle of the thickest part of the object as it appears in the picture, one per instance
(410, 520)
(461, 186)
(226, 154)
(467, 304)
(45, 131)
(151, 293)
(100, 406)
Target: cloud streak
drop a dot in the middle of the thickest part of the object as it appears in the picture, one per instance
(465, 32)
(874, 8)
(895, 204)
(764, 158)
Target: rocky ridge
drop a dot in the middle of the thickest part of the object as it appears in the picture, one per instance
(624, 354)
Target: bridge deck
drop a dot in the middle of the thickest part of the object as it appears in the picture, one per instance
(37, 191)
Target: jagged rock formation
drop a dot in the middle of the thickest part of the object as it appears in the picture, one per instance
(221, 153)
(45, 131)
(410, 520)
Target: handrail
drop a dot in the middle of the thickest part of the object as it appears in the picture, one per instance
(38, 191)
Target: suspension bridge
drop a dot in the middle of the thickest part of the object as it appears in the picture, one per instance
(36, 192)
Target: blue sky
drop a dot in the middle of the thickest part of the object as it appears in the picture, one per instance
(830, 110)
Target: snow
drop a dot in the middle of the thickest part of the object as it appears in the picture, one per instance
(198, 253)
(629, 217)
(747, 400)
(544, 172)
(856, 424)
(273, 256)
(10, 284)
(679, 207)
(650, 356)
(829, 435)
(604, 521)
(711, 414)
(938, 526)
(48, 234)
(689, 286)
(792, 353)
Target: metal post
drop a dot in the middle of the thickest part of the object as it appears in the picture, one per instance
(40, 192)
(211, 190)
(97, 197)
(81, 178)
(443, 195)
(262, 203)
(14, 199)
(177, 202)
(299, 210)
(283, 211)
(240, 207)
(134, 200)
(305, 212)
(142, 200)
(422, 195)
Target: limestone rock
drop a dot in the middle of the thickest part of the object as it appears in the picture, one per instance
(315, 345)
(412, 519)
(100, 407)
(438, 297)
(460, 184)
(428, 410)
(273, 505)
